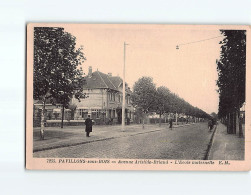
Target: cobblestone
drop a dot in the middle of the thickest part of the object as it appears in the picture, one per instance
(56, 137)
(187, 142)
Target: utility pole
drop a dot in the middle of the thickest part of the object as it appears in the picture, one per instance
(123, 102)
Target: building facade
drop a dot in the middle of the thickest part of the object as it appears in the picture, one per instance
(53, 112)
(104, 99)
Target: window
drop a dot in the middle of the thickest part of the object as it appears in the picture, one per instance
(128, 100)
(96, 113)
(112, 96)
(83, 113)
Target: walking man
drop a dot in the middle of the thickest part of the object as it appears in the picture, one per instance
(171, 124)
(88, 126)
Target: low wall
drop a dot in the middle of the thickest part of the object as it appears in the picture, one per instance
(57, 123)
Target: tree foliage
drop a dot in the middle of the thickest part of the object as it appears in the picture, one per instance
(147, 98)
(143, 97)
(56, 62)
(163, 100)
(231, 69)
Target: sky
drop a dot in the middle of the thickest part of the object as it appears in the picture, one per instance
(189, 71)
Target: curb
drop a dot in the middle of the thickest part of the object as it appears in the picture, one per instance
(103, 139)
(209, 147)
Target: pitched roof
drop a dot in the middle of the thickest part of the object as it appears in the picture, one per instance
(116, 81)
(99, 80)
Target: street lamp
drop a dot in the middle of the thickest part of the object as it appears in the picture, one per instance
(123, 101)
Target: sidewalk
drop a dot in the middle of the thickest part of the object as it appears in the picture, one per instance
(226, 146)
(55, 137)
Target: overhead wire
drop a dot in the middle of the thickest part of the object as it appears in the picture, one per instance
(177, 47)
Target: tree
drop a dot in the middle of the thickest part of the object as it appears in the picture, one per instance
(57, 76)
(179, 105)
(231, 69)
(143, 96)
(69, 87)
(146, 98)
(162, 101)
(214, 115)
(72, 108)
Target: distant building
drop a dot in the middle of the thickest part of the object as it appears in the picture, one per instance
(104, 99)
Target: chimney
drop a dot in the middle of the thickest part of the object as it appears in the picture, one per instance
(109, 74)
(90, 71)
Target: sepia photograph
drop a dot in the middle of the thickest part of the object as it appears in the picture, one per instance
(140, 96)
(125, 97)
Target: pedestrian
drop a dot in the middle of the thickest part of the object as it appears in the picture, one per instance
(210, 125)
(171, 123)
(88, 126)
(214, 121)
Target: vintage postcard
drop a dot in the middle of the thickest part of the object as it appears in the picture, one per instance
(138, 97)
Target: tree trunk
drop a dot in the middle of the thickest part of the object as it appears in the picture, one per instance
(237, 122)
(240, 130)
(160, 119)
(72, 114)
(234, 122)
(240, 127)
(228, 123)
(62, 121)
(231, 123)
(176, 120)
(42, 121)
(143, 123)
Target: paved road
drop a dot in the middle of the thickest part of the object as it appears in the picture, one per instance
(188, 142)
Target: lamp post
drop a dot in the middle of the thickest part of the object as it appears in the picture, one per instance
(123, 101)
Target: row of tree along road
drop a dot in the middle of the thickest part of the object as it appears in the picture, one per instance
(232, 79)
(147, 98)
